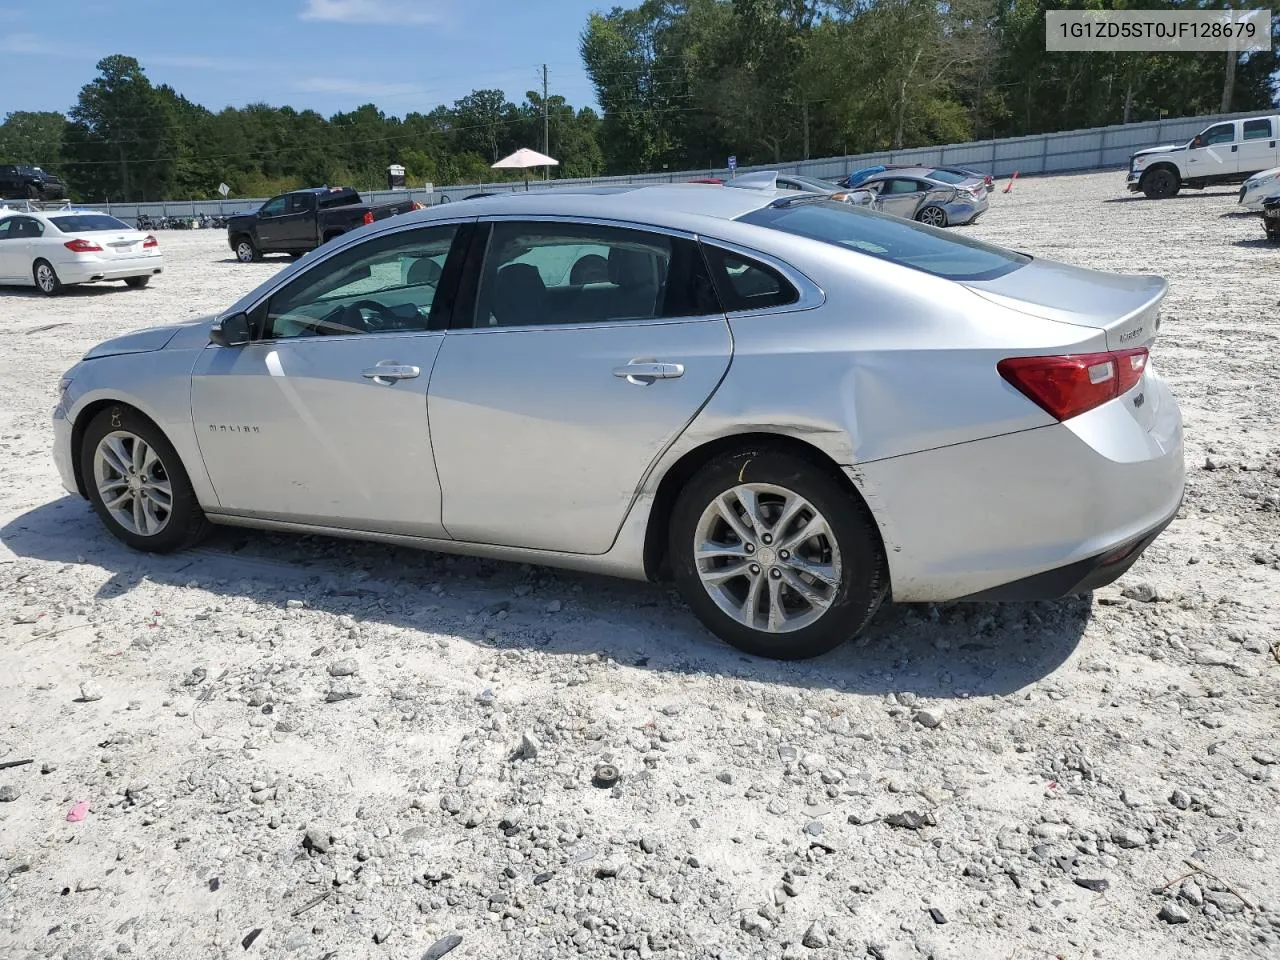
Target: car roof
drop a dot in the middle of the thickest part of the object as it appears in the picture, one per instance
(676, 206)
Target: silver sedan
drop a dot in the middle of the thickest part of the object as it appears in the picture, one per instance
(793, 407)
(940, 198)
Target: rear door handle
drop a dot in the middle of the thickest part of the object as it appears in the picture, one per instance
(387, 371)
(646, 371)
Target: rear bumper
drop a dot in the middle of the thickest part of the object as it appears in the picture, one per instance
(966, 211)
(88, 271)
(982, 517)
(1079, 577)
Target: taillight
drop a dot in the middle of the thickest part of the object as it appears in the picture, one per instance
(82, 246)
(368, 216)
(1065, 387)
(150, 242)
(417, 206)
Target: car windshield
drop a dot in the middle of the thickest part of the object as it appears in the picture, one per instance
(88, 223)
(890, 238)
(947, 176)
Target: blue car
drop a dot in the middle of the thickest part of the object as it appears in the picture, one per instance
(858, 176)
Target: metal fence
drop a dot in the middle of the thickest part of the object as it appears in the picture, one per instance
(1070, 151)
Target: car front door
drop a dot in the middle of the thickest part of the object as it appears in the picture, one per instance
(1258, 146)
(551, 400)
(271, 223)
(1215, 152)
(17, 254)
(322, 418)
(900, 196)
(296, 229)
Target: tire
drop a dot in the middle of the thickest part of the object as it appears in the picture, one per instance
(33, 192)
(46, 278)
(246, 251)
(1160, 184)
(933, 215)
(136, 283)
(107, 460)
(773, 479)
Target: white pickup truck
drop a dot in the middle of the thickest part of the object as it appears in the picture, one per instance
(1227, 152)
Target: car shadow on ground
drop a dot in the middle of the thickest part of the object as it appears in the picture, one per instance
(75, 290)
(1137, 197)
(1239, 215)
(1262, 242)
(942, 651)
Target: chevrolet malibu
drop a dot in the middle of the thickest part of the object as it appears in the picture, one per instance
(792, 407)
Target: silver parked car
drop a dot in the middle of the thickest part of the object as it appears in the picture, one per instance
(772, 180)
(792, 406)
(940, 198)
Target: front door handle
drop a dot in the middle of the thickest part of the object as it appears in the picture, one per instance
(388, 371)
(647, 371)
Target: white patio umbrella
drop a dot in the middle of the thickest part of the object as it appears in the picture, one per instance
(524, 159)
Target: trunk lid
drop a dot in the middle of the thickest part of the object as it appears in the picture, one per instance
(1125, 306)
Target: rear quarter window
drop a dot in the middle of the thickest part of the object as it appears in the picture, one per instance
(884, 237)
(744, 283)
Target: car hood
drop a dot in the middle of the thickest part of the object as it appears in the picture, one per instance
(1263, 177)
(187, 334)
(1123, 305)
(1167, 148)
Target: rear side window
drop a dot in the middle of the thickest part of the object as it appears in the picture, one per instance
(88, 223)
(879, 235)
(1257, 130)
(747, 284)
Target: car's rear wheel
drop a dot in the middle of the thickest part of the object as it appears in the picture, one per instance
(137, 484)
(246, 252)
(137, 283)
(1159, 184)
(46, 278)
(933, 215)
(776, 556)
(33, 192)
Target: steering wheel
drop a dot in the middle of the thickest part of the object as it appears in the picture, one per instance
(382, 318)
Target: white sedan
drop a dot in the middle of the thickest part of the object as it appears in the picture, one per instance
(1259, 187)
(54, 249)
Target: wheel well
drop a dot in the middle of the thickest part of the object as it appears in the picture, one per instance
(87, 416)
(1162, 166)
(683, 470)
(330, 234)
(237, 237)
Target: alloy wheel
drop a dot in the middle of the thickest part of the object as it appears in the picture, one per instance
(933, 217)
(47, 279)
(133, 483)
(767, 557)
(244, 252)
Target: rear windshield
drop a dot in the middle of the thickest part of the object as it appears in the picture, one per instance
(340, 199)
(947, 176)
(88, 223)
(888, 238)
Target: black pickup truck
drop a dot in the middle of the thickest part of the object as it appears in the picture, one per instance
(19, 181)
(296, 222)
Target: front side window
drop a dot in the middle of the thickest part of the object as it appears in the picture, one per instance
(1257, 130)
(88, 223)
(4, 228)
(562, 273)
(273, 208)
(1222, 133)
(384, 285)
(879, 235)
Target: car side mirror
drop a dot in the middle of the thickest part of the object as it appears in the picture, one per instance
(230, 331)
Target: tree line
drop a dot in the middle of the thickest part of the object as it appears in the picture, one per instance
(682, 85)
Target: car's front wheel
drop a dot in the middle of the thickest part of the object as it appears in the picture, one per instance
(46, 278)
(776, 556)
(137, 484)
(1159, 184)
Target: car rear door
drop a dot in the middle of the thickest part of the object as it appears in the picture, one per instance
(551, 400)
(1257, 148)
(322, 419)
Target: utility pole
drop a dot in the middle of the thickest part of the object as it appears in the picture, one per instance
(546, 123)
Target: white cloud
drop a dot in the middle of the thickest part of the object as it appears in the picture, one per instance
(199, 63)
(402, 12)
(28, 44)
(359, 88)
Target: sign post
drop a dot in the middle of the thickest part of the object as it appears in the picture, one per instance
(733, 164)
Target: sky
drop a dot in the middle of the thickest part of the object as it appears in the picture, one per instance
(326, 55)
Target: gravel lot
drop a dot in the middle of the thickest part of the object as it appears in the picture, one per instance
(307, 748)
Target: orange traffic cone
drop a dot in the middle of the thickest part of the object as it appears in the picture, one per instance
(1011, 179)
